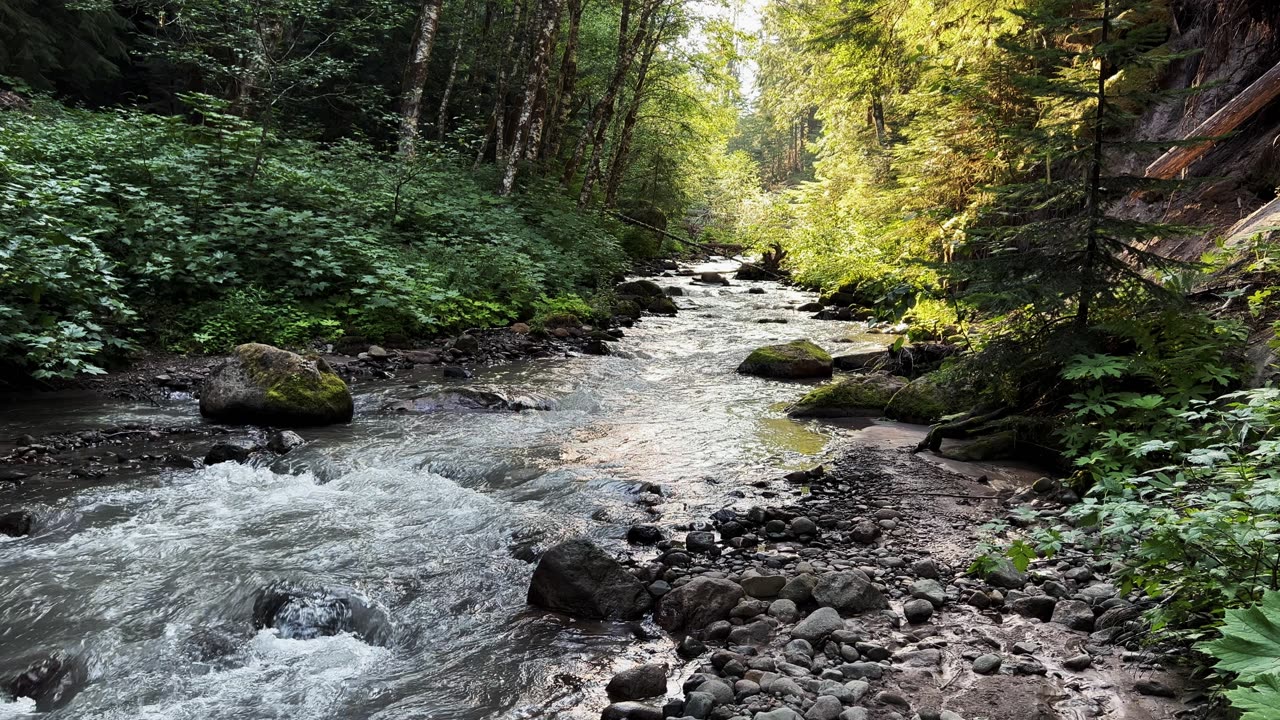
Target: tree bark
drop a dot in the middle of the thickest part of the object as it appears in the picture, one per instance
(619, 161)
(498, 116)
(442, 118)
(601, 107)
(1229, 117)
(626, 58)
(1093, 207)
(561, 103)
(415, 75)
(535, 76)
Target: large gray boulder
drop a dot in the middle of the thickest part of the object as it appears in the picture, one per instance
(849, 591)
(697, 604)
(264, 385)
(820, 623)
(577, 578)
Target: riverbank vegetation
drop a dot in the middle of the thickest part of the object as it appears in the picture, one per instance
(1014, 178)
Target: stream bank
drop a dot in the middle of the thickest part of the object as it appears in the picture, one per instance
(149, 570)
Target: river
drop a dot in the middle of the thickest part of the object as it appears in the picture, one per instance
(427, 515)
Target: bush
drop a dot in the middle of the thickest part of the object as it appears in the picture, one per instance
(244, 238)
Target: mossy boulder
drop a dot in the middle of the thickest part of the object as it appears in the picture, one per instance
(794, 360)
(662, 306)
(639, 288)
(264, 385)
(926, 400)
(861, 396)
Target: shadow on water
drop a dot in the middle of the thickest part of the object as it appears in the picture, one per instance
(432, 517)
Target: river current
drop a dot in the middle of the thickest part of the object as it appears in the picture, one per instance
(427, 515)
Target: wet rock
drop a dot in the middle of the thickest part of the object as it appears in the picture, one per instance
(578, 578)
(301, 612)
(454, 372)
(987, 664)
(756, 291)
(763, 586)
(854, 713)
(377, 352)
(690, 647)
(1154, 688)
(713, 278)
(644, 535)
(631, 711)
(784, 610)
(794, 360)
(858, 396)
(849, 591)
(17, 523)
(282, 441)
(264, 385)
(1078, 574)
(1005, 575)
(469, 399)
(782, 713)
(1075, 614)
(717, 689)
(228, 452)
(1029, 666)
(799, 589)
(1118, 615)
(466, 344)
(697, 604)
(980, 600)
(51, 681)
(826, 707)
(865, 532)
(1078, 662)
(642, 681)
(917, 611)
(658, 588)
(702, 543)
(698, 705)
(1040, 607)
(803, 526)
(930, 590)
(818, 625)
(926, 568)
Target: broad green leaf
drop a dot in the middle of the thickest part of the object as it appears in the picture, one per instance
(1250, 642)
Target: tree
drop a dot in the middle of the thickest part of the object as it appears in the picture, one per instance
(415, 74)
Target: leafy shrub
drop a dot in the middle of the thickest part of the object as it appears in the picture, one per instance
(1249, 649)
(564, 307)
(297, 239)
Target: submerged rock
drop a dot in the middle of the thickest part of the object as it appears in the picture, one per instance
(793, 360)
(17, 523)
(52, 681)
(850, 397)
(228, 452)
(577, 578)
(302, 612)
(486, 399)
(264, 385)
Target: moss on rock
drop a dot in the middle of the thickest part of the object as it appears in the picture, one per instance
(264, 385)
(926, 400)
(793, 360)
(997, 446)
(864, 395)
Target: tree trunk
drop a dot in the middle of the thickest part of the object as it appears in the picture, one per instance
(415, 75)
(1093, 207)
(626, 57)
(498, 116)
(442, 118)
(558, 111)
(535, 76)
(599, 110)
(619, 162)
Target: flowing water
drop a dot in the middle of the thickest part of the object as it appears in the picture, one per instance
(427, 515)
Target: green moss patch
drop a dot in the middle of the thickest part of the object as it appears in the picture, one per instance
(865, 395)
(793, 360)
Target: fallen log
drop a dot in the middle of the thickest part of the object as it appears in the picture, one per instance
(1228, 118)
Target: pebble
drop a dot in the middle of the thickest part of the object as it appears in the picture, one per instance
(987, 664)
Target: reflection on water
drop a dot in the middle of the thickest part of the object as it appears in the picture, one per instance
(426, 515)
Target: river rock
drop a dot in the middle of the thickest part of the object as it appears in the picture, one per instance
(931, 590)
(763, 586)
(702, 543)
(717, 689)
(17, 523)
(784, 611)
(1040, 607)
(264, 385)
(228, 452)
(860, 361)
(713, 278)
(849, 591)
(577, 578)
(820, 623)
(799, 589)
(283, 441)
(987, 664)
(697, 604)
(471, 399)
(917, 611)
(52, 681)
(859, 396)
(782, 713)
(795, 360)
(642, 681)
(698, 705)
(302, 612)
(644, 535)
(631, 711)
(826, 707)
(1005, 575)
(1075, 614)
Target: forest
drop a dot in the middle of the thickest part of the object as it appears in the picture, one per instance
(1071, 201)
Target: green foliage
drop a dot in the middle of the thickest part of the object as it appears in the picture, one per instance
(571, 309)
(1250, 650)
(119, 223)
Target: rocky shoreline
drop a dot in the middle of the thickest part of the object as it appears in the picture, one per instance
(853, 602)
